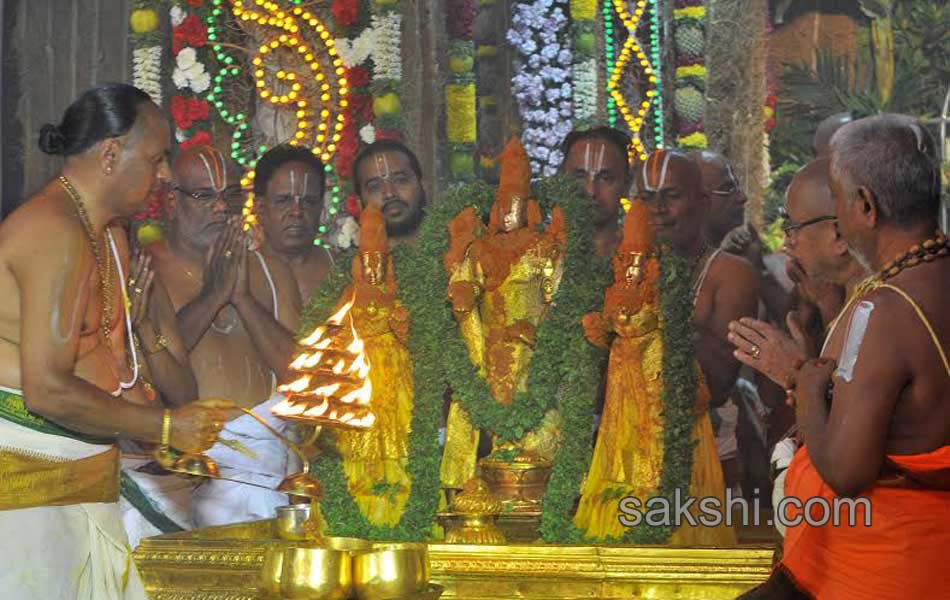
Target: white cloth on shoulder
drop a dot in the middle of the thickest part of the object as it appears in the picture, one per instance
(250, 453)
(73, 552)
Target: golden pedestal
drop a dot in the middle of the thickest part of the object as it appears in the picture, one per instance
(225, 563)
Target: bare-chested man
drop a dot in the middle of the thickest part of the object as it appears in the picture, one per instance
(236, 311)
(597, 159)
(388, 176)
(724, 285)
(288, 189)
(726, 199)
(874, 411)
(68, 392)
(818, 261)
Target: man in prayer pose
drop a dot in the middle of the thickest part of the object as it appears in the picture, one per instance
(68, 391)
(236, 311)
(597, 159)
(288, 189)
(388, 176)
(818, 252)
(874, 410)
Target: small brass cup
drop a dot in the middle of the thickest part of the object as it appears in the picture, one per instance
(391, 571)
(305, 572)
(292, 522)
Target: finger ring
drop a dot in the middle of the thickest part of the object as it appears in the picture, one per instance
(131, 281)
(755, 352)
(228, 254)
(138, 290)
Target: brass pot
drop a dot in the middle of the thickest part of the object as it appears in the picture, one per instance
(301, 572)
(391, 571)
(520, 486)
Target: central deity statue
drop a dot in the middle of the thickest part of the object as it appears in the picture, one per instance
(502, 281)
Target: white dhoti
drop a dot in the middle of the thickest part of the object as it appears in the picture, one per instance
(154, 504)
(250, 453)
(70, 552)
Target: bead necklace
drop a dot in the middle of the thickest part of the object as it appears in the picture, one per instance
(925, 252)
(103, 262)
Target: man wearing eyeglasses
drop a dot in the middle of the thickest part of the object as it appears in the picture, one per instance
(236, 311)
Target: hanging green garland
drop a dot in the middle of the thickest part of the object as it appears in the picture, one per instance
(579, 292)
(564, 370)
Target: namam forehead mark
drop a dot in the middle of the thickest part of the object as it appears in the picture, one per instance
(382, 168)
(655, 171)
(594, 152)
(205, 167)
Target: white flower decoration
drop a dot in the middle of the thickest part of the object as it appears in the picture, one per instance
(180, 79)
(177, 15)
(201, 83)
(368, 133)
(186, 58)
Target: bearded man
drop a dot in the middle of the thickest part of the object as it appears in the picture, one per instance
(388, 176)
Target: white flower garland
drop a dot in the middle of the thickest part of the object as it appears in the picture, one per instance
(585, 89)
(147, 71)
(355, 52)
(368, 133)
(387, 52)
(189, 72)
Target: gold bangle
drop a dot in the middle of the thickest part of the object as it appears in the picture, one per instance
(166, 428)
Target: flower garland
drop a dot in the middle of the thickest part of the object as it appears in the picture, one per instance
(542, 84)
(584, 70)
(440, 359)
(190, 75)
(689, 100)
(147, 76)
(461, 129)
(387, 70)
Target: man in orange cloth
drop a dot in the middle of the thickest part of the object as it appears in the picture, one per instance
(874, 411)
(628, 457)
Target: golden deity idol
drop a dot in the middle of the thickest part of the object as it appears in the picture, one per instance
(628, 455)
(375, 460)
(502, 281)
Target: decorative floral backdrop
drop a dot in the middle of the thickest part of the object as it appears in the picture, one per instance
(247, 75)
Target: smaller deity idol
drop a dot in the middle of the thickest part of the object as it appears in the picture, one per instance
(375, 460)
(628, 457)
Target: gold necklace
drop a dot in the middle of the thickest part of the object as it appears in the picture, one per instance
(103, 262)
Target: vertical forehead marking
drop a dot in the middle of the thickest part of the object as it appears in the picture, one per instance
(293, 184)
(211, 168)
(650, 181)
(382, 166)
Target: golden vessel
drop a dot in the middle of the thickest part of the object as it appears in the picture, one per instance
(477, 509)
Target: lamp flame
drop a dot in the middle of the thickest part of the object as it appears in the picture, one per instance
(333, 386)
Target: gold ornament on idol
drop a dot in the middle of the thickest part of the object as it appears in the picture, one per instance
(103, 262)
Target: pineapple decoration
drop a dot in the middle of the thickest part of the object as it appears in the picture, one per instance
(689, 101)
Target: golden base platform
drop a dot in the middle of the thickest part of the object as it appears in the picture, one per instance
(224, 563)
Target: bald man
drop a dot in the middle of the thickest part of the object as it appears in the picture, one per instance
(236, 312)
(726, 199)
(724, 286)
(823, 269)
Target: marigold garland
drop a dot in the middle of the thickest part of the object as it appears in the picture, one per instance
(460, 112)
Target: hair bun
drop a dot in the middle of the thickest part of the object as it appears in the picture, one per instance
(52, 140)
